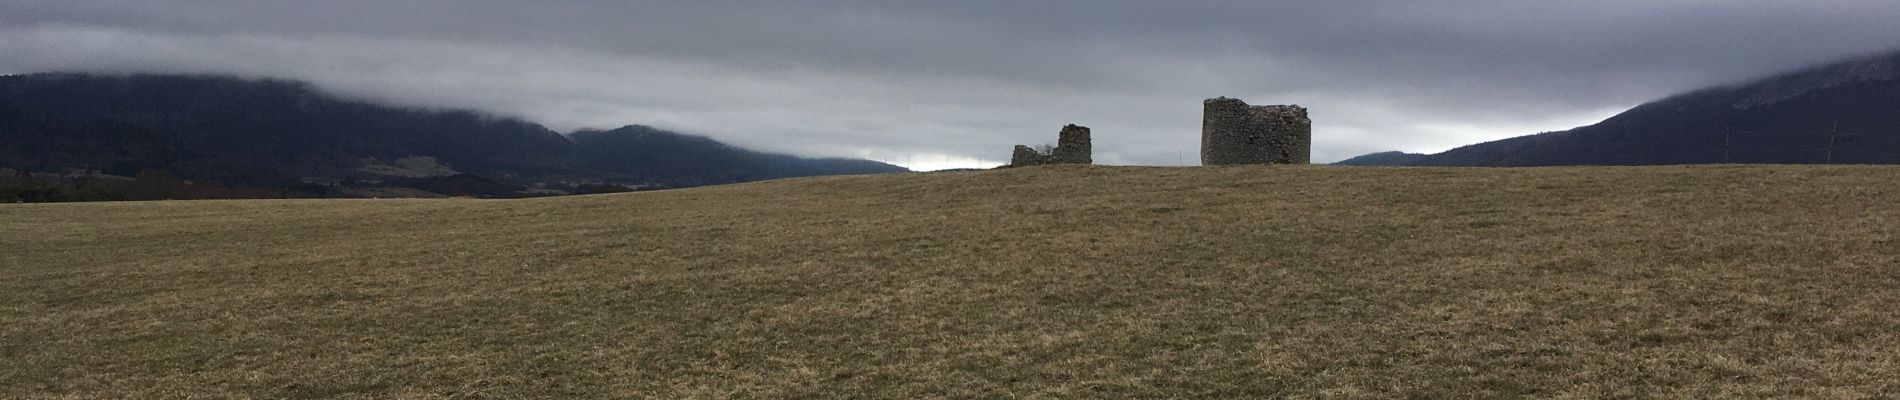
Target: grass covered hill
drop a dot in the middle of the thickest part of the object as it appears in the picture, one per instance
(1054, 282)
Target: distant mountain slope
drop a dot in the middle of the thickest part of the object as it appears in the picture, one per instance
(1383, 159)
(277, 127)
(649, 154)
(273, 133)
(1846, 112)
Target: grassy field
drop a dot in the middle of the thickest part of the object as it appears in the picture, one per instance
(1058, 282)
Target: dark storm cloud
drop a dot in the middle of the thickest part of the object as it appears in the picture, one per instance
(924, 82)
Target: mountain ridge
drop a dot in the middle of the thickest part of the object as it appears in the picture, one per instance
(1838, 112)
(288, 134)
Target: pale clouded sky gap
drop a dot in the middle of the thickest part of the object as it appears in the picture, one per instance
(955, 84)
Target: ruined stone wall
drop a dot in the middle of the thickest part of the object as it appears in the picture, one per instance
(1025, 156)
(1072, 147)
(1234, 133)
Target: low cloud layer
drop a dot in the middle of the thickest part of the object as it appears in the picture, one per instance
(938, 84)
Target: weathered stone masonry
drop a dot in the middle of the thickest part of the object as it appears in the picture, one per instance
(1234, 133)
(1073, 147)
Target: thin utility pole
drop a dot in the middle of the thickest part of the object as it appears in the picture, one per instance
(1728, 146)
(1831, 135)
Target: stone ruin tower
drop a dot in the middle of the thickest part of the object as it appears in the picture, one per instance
(1073, 147)
(1234, 133)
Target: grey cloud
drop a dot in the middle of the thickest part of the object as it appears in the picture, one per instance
(967, 79)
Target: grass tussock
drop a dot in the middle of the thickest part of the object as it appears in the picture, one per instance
(1057, 282)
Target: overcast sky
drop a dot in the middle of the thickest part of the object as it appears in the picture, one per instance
(957, 83)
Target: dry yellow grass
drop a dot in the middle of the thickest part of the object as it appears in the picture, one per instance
(1060, 282)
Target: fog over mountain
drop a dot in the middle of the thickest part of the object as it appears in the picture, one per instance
(945, 84)
(179, 134)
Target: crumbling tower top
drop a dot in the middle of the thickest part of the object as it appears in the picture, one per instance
(1072, 147)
